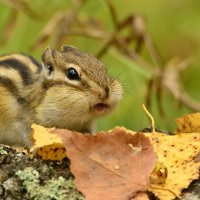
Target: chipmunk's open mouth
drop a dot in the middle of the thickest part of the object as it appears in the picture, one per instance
(100, 107)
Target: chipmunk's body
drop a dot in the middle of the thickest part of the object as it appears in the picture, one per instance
(69, 90)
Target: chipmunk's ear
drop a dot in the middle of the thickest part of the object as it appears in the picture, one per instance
(48, 54)
(67, 48)
(47, 59)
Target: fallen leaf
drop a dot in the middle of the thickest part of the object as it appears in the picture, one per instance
(159, 174)
(177, 153)
(99, 158)
(189, 123)
(141, 196)
(110, 166)
(176, 160)
(47, 144)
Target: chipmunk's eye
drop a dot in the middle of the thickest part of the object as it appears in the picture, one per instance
(72, 74)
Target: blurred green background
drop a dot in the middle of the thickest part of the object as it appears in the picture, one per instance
(173, 25)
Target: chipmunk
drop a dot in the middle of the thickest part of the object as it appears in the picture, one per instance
(69, 90)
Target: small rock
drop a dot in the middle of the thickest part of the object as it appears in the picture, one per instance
(8, 160)
(191, 196)
(44, 168)
(2, 159)
(1, 190)
(12, 187)
(3, 176)
(9, 197)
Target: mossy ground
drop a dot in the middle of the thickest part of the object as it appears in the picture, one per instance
(25, 178)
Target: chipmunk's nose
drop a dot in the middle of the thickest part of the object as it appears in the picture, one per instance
(105, 94)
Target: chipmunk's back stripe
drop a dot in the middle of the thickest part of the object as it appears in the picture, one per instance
(22, 69)
(35, 62)
(12, 89)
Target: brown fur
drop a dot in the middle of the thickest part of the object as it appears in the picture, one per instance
(47, 97)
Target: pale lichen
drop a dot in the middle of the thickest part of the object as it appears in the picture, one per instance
(58, 189)
(2, 151)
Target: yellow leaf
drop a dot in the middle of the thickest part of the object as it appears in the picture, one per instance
(177, 154)
(188, 123)
(46, 144)
(159, 174)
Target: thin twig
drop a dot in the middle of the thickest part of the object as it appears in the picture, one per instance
(151, 118)
(150, 85)
(99, 35)
(113, 36)
(132, 54)
(70, 18)
(48, 29)
(156, 58)
(22, 5)
(112, 12)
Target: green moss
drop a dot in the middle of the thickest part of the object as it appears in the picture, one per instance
(58, 189)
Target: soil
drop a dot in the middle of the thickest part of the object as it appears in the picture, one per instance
(12, 188)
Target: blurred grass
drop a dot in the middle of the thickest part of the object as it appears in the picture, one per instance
(174, 26)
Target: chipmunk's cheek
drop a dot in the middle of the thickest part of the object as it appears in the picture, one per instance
(116, 94)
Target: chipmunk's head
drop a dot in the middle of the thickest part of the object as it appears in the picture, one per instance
(80, 82)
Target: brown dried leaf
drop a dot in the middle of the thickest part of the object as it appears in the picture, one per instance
(141, 196)
(109, 166)
(172, 81)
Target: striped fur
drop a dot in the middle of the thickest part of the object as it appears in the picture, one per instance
(18, 71)
(19, 74)
(44, 94)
